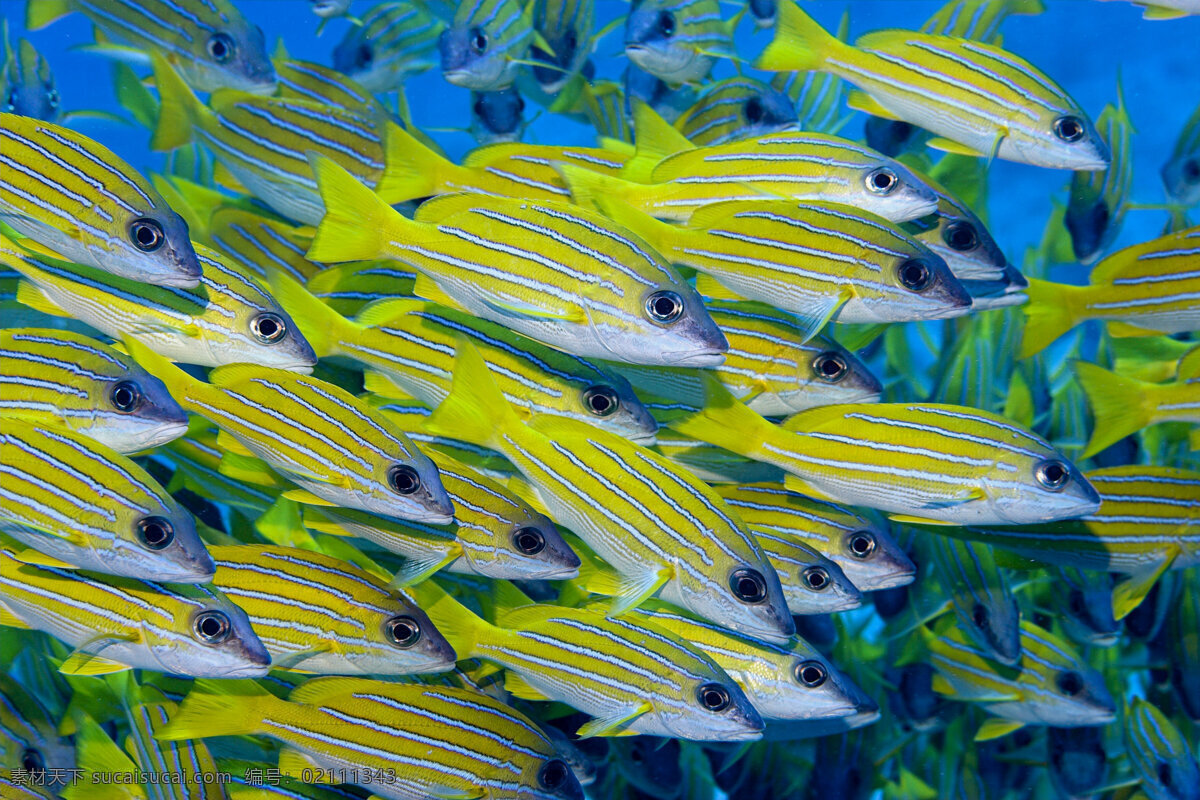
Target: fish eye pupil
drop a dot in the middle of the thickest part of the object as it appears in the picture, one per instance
(1069, 129)
(979, 616)
(1166, 776)
(882, 181)
(553, 774)
(713, 696)
(364, 55)
(914, 275)
(212, 627)
(220, 47)
(268, 328)
(664, 307)
(1191, 170)
(830, 367)
(404, 480)
(816, 578)
(1052, 475)
(1076, 602)
(862, 544)
(147, 235)
(748, 585)
(479, 41)
(155, 532)
(666, 23)
(529, 541)
(1070, 683)
(961, 236)
(403, 631)
(32, 761)
(126, 396)
(601, 400)
(754, 110)
(811, 673)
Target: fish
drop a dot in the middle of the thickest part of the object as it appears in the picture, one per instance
(1122, 406)
(31, 741)
(982, 99)
(821, 262)
(584, 285)
(318, 614)
(1143, 290)
(863, 548)
(678, 41)
(955, 465)
(981, 597)
(410, 415)
(711, 463)
(1160, 755)
(325, 9)
(208, 41)
(349, 288)
(316, 83)
(1051, 686)
(629, 677)
(78, 198)
(80, 505)
(639, 86)
(118, 623)
(410, 343)
(812, 583)
(1099, 200)
(1181, 173)
(771, 365)
(497, 116)
(73, 381)
(662, 530)
(398, 740)
(956, 234)
(1167, 9)
(226, 319)
(396, 41)
(737, 108)
(566, 26)
(27, 85)
(485, 44)
(261, 246)
(1086, 611)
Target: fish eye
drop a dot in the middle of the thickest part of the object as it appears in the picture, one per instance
(520, 104)
(1069, 683)
(11, 102)
(915, 275)
(1076, 604)
(479, 107)
(125, 396)
(960, 236)
(816, 578)
(1191, 170)
(363, 56)
(402, 631)
(146, 235)
(830, 367)
(268, 328)
(601, 400)
(529, 541)
(553, 774)
(979, 616)
(713, 696)
(479, 41)
(1053, 475)
(811, 673)
(571, 40)
(221, 47)
(404, 480)
(1166, 775)
(754, 110)
(32, 760)
(212, 627)
(862, 544)
(666, 23)
(882, 181)
(748, 585)
(664, 307)
(52, 98)
(155, 532)
(1069, 129)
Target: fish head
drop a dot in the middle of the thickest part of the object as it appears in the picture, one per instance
(476, 56)
(1087, 614)
(994, 623)
(801, 684)
(1061, 138)
(275, 340)
(136, 412)
(657, 42)
(923, 283)
(610, 403)
(1039, 485)
(766, 111)
(161, 545)
(230, 56)
(329, 8)
(712, 707)
(873, 558)
(153, 242)
(528, 547)
(404, 641)
(886, 187)
(834, 375)
(497, 116)
(812, 583)
(1181, 177)
(552, 776)
(1057, 687)
(212, 638)
(672, 329)
(29, 88)
(406, 484)
(750, 599)
(961, 239)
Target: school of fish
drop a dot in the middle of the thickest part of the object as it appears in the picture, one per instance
(729, 456)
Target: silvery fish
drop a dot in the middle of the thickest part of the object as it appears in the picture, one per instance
(485, 44)
(394, 42)
(678, 40)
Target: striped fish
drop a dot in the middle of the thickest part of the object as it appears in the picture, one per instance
(791, 681)
(604, 105)
(395, 42)
(565, 25)
(122, 623)
(771, 365)
(322, 615)
(981, 98)
(409, 415)
(72, 381)
(667, 100)
(27, 85)
(959, 237)
(246, 782)
(1144, 290)
(631, 677)
(713, 464)
(575, 281)
(980, 596)
(400, 741)
(1085, 609)
(1053, 685)
(18, 787)
(678, 41)
(818, 261)
(411, 343)
(485, 44)
(226, 319)
(316, 434)
(1161, 756)
(1181, 173)
(817, 95)
(1098, 200)
(29, 738)
(317, 83)
(978, 19)
(926, 461)
(208, 41)
(660, 528)
(497, 117)
(261, 246)
(1122, 406)
(349, 288)
(812, 583)
(864, 549)
(80, 505)
(78, 198)
(737, 108)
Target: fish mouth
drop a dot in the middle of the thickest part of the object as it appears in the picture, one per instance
(556, 574)
(248, 671)
(644, 439)
(695, 358)
(893, 580)
(177, 280)
(160, 435)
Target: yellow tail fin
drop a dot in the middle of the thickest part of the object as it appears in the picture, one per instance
(324, 328)
(221, 708)
(40, 13)
(800, 44)
(724, 422)
(461, 627)
(182, 386)
(410, 169)
(1048, 315)
(607, 194)
(1118, 405)
(357, 221)
(180, 107)
(475, 410)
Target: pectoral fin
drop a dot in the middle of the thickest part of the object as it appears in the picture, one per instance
(635, 591)
(614, 725)
(1129, 593)
(861, 101)
(416, 570)
(951, 146)
(995, 727)
(81, 663)
(306, 497)
(517, 686)
(42, 560)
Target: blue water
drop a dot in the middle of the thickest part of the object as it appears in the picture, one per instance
(1082, 44)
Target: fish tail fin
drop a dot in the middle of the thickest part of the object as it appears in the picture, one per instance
(594, 189)
(411, 169)
(40, 13)
(1118, 405)
(724, 421)
(475, 409)
(221, 708)
(356, 220)
(178, 110)
(1048, 315)
(324, 328)
(461, 627)
(800, 44)
(179, 384)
